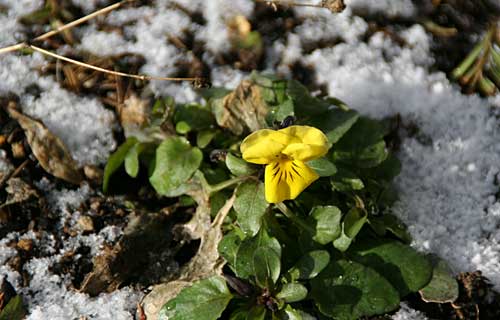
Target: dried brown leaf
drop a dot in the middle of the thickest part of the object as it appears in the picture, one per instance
(134, 113)
(205, 263)
(49, 150)
(18, 191)
(242, 110)
(334, 6)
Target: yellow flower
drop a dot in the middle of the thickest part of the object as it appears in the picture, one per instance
(285, 152)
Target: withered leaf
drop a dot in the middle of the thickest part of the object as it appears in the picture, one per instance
(18, 191)
(134, 113)
(207, 261)
(242, 110)
(49, 150)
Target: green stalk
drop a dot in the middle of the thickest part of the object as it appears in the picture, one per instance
(494, 73)
(468, 61)
(486, 86)
(295, 219)
(225, 184)
(495, 56)
(473, 55)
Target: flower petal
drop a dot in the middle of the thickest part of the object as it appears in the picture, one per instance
(286, 179)
(265, 146)
(313, 143)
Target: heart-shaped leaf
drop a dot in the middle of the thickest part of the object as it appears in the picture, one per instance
(348, 290)
(310, 265)
(176, 161)
(204, 300)
(250, 205)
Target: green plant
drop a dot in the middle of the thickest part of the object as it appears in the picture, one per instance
(480, 70)
(335, 251)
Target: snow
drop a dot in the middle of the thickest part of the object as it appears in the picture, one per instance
(450, 167)
(89, 138)
(447, 185)
(50, 298)
(407, 313)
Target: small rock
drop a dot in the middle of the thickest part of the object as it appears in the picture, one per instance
(18, 150)
(93, 173)
(86, 224)
(25, 245)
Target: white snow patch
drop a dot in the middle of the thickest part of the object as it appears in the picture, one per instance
(447, 182)
(49, 298)
(389, 8)
(407, 313)
(8, 20)
(83, 124)
(89, 6)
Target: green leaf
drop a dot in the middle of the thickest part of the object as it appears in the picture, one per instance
(176, 162)
(229, 245)
(214, 93)
(310, 265)
(238, 166)
(335, 123)
(116, 160)
(291, 314)
(281, 111)
(306, 106)
(267, 267)
(354, 221)
(204, 137)
(396, 227)
(326, 223)
(250, 205)
(244, 267)
(385, 171)
(323, 167)
(255, 313)
(14, 310)
(347, 290)
(292, 292)
(182, 127)
(204, 300)
(352, 224)
(273, 88)
(193, 116)
(132, 158)
(363, 145)
(443, 287)
(343, 242)
(345, 180)
(405, 268)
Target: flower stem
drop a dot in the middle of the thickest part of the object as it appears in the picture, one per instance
(290, 215)
(225, 184)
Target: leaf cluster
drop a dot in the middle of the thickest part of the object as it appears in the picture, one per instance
(334, 252)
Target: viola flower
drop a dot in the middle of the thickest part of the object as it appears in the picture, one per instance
(285, 152)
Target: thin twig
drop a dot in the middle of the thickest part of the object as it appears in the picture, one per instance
(334, 6)
(72, 24)
(14, 173)
(105, 10)
(12, 48)
(291, 3)
(116, 73)
(82, 20)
